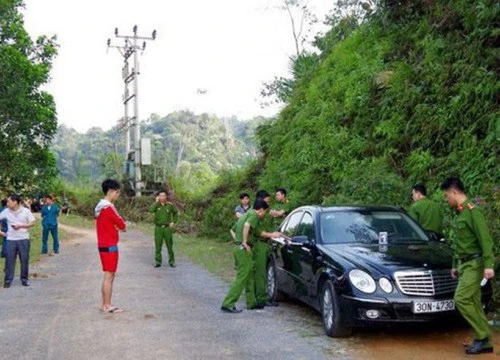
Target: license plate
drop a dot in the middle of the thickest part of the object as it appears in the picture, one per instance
(420, 307)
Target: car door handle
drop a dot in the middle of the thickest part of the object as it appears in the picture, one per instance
(305, 249)
(290, 251)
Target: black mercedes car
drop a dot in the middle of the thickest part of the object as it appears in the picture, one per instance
(362, 265)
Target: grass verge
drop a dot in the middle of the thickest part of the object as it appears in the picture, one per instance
(214, 255)
(77, 221)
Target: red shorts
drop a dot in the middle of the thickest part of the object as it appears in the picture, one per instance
(109, 261)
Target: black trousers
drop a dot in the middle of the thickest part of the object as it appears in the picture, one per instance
(12, 248)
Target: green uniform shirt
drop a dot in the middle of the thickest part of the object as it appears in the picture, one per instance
(472, 235)
(249, 217)
(164, 214)
(428, 214)
(287, 207)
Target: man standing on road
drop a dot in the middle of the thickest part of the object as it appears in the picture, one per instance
(245, 231)
(473, 261)
(50, 213)
(19, 220)
(425, 211)
(165, 217)
(108, 223)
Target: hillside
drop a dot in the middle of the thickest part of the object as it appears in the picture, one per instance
(410, 94)
(184, 146)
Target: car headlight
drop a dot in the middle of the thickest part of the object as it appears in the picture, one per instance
(362, 281)
(385, 285)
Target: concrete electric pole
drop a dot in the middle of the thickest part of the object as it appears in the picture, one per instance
(131, 125)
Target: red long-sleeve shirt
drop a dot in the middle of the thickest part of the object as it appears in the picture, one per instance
(107, 224)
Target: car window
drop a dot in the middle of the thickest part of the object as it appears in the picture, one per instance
(365, 226)
(292, 224)
(306, 226)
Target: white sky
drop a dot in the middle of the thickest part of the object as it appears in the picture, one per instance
(228, 47)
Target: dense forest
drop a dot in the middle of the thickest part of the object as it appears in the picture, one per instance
(188, 150)
(409, 93)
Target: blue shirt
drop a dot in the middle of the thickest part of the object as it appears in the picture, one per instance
(49, 216)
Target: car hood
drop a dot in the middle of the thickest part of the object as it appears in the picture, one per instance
(393, 257)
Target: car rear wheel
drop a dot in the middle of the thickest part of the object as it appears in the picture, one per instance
(333, 320)
(272, 282)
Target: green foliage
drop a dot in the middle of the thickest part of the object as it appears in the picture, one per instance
(216, 213)
(408, 95)
(188, 151)
(27, 114)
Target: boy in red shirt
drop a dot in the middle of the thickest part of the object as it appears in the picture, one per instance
(108, 223)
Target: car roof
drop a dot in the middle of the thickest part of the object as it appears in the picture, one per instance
(321, 209)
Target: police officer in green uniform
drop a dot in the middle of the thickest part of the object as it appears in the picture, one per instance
(473, 261)
(282, 207)
(245, 232)
(261, 255)
(425, 211)
(166, 216)
(262, 248)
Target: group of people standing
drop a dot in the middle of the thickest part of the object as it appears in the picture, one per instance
(250, 234)
(16, 220)
(473, 261)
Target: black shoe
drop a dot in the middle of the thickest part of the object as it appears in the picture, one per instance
(271, 303)
(232, 311)
(172, 265)
(6, 286)
(479, 347)
(56, 252)
(157, 265)
(25, 283)
(256, 307)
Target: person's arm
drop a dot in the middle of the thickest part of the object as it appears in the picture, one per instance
(238, 214)
(279, 213)
(413, 213)
(233, 234)
(175, 215)
(116, 218)
(269, 235)
(57, 210)
(481, 232)
(29, 222)
(246, 232)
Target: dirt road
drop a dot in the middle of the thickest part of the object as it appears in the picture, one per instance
(174, 314)
(169, 313)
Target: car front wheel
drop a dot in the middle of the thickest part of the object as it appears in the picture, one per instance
(272, 282)
(333, 320)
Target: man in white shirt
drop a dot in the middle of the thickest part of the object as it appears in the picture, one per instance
(19, 220)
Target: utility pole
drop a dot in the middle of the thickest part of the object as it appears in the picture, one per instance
(131, 125)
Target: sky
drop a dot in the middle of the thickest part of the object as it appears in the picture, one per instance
(226, 47)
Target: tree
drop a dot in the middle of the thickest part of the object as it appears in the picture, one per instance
(27, 114)
(299, 14)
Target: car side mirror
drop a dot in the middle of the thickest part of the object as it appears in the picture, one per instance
(300, 240)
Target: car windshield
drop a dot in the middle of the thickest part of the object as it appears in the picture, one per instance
(366, 226)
